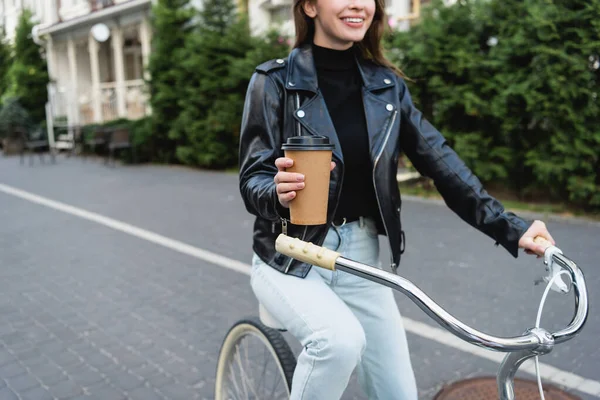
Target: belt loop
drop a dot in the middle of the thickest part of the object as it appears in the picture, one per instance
(361, 221)
(340, 225)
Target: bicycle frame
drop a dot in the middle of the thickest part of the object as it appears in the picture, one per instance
(534, 341)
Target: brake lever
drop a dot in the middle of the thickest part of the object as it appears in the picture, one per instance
(553, 269)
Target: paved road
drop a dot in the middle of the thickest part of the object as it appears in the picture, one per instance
(90, 312)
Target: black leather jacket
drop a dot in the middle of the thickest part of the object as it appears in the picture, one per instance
(280, 89)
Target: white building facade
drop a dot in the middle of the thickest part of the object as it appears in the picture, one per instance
(267, 13)
(97, 50)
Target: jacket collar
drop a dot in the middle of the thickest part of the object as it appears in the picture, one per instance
(302, 74)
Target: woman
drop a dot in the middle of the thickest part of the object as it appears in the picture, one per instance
(336, 82)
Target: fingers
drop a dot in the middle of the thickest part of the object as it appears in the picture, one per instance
(531, 245)
(283, 188)
(287, 183)
(282, 163)
(285, 198)
(284, 177)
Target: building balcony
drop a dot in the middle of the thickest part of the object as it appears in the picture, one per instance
(96, 5)
(89, 105)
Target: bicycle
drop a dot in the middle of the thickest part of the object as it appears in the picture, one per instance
(266, 330)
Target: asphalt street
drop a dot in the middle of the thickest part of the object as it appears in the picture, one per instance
(91, 312)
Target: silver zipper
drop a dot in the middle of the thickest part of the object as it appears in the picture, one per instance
(387, 136)
(298, 125)
(289, 264)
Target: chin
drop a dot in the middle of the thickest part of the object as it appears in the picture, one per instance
(355, 38)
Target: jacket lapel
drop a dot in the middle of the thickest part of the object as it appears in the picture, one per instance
(315, 119)
(313, 115)
(378, 102)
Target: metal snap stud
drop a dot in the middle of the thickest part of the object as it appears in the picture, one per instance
(387, 81)
(389, 107)
(300, 114)
(279, 61)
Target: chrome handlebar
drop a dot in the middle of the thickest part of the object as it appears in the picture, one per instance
(535, 341)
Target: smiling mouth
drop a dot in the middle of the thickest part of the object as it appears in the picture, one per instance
(354, 20)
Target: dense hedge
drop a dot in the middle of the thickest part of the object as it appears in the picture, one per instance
(201, 85)
(514, 86)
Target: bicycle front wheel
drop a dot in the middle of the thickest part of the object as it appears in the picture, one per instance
(255, 362)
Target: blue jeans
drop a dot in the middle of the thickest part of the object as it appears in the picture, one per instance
(342, 322)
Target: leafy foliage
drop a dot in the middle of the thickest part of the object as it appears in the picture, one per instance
(221, 57)
(28, 73)
(171, 21)
(513, 85)
(5, 61)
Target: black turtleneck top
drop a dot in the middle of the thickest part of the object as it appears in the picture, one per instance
(341, 84)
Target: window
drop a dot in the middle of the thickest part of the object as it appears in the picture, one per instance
(281, 15)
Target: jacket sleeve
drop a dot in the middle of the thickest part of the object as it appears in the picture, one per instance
(260, 144)
(461, 190)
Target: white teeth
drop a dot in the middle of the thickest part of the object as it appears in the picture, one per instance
(356, 20)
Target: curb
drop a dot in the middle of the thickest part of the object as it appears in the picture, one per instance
(546, 217)
(407, 176)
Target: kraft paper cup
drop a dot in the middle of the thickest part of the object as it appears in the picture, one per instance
(312, 158)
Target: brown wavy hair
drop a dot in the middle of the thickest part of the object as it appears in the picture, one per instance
(371, 47)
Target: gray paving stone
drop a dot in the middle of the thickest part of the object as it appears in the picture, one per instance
(52, 380)
(12, 339)
(98, 360)
(144, 393)
(66, 389)
(12, 370)
(37, 393)
(90, 278)
(159, 380)
(178, 392)
(51, 347)
(85, 376)
(45, 370)
(22, 382)
(6, 358)
(106, 393)
(66, 359)
(31, 357)
(124, 380)
(128, 359)
(7, 394)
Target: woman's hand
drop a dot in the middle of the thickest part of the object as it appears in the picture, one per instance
(288, 182)
(538, 228)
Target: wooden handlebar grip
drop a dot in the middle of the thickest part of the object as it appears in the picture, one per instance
(542, 242)
(306, 252)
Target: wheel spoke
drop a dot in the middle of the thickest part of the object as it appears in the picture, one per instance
(263, 374)
(242, 375)
(233, 379)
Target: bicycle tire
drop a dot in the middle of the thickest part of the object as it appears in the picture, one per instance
(271, 338)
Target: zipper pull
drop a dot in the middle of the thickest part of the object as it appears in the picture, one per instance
(284, 226)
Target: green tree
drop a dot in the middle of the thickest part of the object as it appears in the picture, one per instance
(221, 59)
(171, 21)
(548, 82)
(446, 58)
(209, 52)
(28, 73)
(513, 85)
(5, 61)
